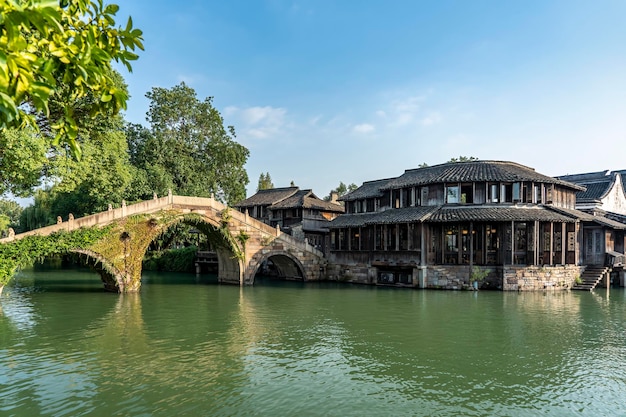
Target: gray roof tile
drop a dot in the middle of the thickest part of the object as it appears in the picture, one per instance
(586, 217)
(442, 214)
(267, 197)
(498, 214)
(306, 199)
(369, 189)
(401, 215)
(472, 171)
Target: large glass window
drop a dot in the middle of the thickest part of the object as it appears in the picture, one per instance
(506, 193)
(517, 191)
(452, 194)
(493, 193)
(538, 199)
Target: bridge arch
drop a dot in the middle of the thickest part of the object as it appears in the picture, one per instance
(111, 276)
(116, 241)
(229, 265)
(286, 264)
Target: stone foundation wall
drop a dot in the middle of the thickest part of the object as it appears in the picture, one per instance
(357, 273)
(459, 277)
(538, 278)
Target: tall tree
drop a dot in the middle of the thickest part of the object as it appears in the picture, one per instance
(23, 157)
(265, 182)
(49, 43)
(186, 148)
(10, 213)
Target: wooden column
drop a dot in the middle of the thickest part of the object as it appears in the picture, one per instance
(471, 239)
(536, 239)
(563, 243)
(512, 243)
(423, 245)
(397, 226)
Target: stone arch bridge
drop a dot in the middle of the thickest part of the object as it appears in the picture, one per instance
(241, 242)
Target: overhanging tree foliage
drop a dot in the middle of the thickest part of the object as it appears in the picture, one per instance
(186, 149)
(45, 44)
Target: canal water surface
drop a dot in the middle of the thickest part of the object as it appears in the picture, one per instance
(187, 346)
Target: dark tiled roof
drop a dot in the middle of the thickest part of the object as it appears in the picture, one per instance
(306, 199)
(595, 190)
(472, 171)
(617, 217)
(498, 214)
(442, 214)
(267, 197)
(586, 217)
(402, 215)
(586, 177)
(598, 184)
(369, 189)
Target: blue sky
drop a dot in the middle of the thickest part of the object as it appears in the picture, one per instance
(328, 91)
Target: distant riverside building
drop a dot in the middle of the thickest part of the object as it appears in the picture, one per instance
(297, 212)
(501, 224)
(604, 194)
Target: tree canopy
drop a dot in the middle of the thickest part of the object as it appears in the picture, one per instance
(48, 44)
(186, 149)
(265, 182)
(342, 189)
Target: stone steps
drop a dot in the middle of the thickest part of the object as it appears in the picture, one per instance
(591, 278)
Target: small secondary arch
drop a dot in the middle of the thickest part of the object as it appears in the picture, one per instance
(280, 263)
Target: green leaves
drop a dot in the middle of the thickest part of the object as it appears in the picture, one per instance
(27, 251)
(44, 43)
(188, 148)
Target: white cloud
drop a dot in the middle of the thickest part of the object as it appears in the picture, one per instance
(405, 111)
(431, 119)
(257, 122)
(363, 128)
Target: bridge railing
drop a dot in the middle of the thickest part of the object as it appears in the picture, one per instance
(142, 207)
(97, 219)
(303, 245)
(148, 206)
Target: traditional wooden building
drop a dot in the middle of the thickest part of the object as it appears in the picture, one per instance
(500, 224)
(297, 212)
(604, 194)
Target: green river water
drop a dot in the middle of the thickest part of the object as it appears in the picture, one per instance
(187, 346)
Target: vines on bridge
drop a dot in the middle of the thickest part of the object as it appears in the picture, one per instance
(25, 252)
(120, 246)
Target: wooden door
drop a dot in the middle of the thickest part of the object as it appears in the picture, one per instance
(593, 239)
